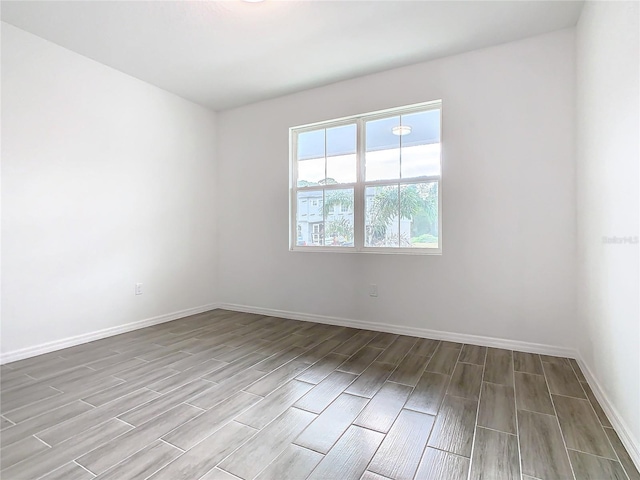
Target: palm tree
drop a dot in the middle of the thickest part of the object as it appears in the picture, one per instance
(417, 199)
(340, 227)
(335, 198)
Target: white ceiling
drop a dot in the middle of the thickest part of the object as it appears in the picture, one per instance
(224, 54)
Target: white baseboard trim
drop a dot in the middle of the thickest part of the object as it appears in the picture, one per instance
(12, 356)
(406, 330)
(619, 425)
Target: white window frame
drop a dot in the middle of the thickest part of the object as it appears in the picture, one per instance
(359, 187)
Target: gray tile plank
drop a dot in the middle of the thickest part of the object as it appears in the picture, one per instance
(70, 471)
(555, 360)
(395, 352)
(147, 411)
(532, 393)
(279, 359)
(91, 386)
(349, 458)
(454, 426)
(321, 395)
(65, 430)
(409, 370)
(274, 404)
(596, 405)
(207, 454)
(106, 456)
(204, 356)
(116, 364)
(226, 389)
(495, 456)
(581, 428)
(429, 392)
(383, 340)
(233, 368)
(359, 361)
(144, 463)
(72, 380)
(268, 444)
(425, 347)
(541, 446)
(589, 467)
(273, 380)
(623, 455)
(325, 430)
(562, 380)
(294, 462)
(466, 381)
(17, 452)
(439, 465)
(371, 380)
(62, 454)
(577, 370)
(473, 354)
(19, 397)
(527, 363)
(44, 421)
(217, 474)
(372, 476)
(181, 378)
(384, 407)
(140, 370)
(15, 380)
(4, 423)
(444, 360)
(322, 368)
(316, 353)
(355, 343)
(497, 408)
(125, 388)
(499, 366)
(401, 450)
(187, 435)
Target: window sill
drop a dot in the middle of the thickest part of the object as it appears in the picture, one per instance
(374, 250)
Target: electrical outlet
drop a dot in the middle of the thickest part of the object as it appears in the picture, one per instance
(373, 290)
(138, 289)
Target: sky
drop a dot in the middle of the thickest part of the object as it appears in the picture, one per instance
(395, 163)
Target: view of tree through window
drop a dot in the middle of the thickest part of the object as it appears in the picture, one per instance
(368, 182)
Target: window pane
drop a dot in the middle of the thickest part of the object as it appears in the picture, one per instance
(419, 215)
(341, 154)
(381, 216)
(338, 217)
(382, 155)
(311, 172)
(311, 144)
(311, 162)
(310, 218)
(420, 152)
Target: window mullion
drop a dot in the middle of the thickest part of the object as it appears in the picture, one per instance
(359, 189)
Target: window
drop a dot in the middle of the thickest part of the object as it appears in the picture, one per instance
(369, 183)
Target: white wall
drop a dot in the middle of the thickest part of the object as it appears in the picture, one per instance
(508, 267)
(608, 153)
(106, 181)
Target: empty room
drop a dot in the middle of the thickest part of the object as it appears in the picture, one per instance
(324, 240)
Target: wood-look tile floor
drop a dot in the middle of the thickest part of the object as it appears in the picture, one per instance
(226, 395)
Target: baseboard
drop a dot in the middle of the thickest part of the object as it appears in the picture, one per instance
(406, 330)
(12, 356)
(619, 425)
